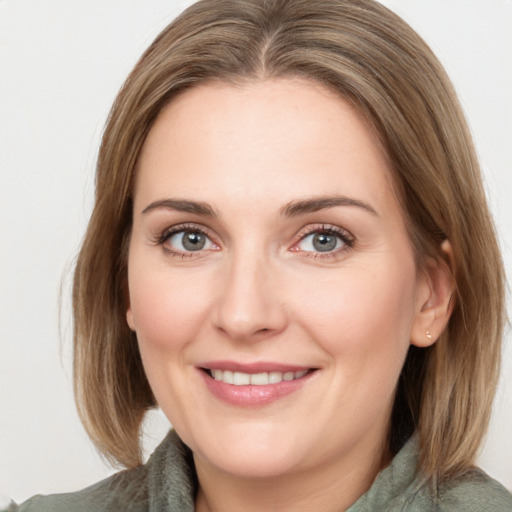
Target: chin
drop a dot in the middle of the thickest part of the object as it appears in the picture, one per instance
(252, 452)
(261, 465)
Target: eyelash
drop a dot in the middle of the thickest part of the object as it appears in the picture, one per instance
(181, 228)
(347, 239)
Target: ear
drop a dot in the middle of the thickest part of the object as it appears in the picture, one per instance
(435, 302)
(129, 313)
(129, 318)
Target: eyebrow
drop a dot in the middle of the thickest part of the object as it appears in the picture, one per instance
(291, 209)
(315, 204)
(181, 205)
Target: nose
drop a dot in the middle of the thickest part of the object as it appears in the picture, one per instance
(250, 305)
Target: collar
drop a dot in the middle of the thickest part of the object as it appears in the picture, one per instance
(172, 481)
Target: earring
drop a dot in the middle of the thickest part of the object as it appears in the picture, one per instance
(428, 335)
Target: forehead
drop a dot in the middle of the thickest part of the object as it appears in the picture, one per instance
(272, 137)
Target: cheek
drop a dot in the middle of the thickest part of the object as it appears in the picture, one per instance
(168, 311)
(362, 313)
(166, 308)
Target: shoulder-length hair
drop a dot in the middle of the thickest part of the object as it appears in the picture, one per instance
(374, 60)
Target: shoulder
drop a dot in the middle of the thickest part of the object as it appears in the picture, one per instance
(166, 482)
(474, 491)
(401, 487)
(124, 491)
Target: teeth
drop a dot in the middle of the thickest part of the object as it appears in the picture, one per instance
(256, 379)
(275, 377)
(259, 379)
(241, 379)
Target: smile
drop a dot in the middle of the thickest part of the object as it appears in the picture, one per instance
(255, 379)
(252, 385)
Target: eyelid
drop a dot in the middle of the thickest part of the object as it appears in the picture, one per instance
(345, 236)
(162, 237)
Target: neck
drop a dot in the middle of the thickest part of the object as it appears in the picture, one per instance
(333, 487)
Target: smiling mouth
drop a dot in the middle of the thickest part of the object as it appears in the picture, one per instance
(255, 379)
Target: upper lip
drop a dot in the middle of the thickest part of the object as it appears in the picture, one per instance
(252, 368)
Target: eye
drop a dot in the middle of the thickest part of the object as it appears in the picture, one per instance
(186, 240)
(321, 242)
(329, 239)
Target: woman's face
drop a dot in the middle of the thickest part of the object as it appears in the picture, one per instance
(272, 283)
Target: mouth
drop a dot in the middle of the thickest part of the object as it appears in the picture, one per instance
(253, 384)
(237, 378)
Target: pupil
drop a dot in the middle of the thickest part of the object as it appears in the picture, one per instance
(324, 242)
(194, 241)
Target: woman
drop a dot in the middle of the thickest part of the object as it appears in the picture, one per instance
(288, 254)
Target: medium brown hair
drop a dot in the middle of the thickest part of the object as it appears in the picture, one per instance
(374, 60)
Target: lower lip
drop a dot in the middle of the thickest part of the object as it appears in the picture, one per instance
(250, 395)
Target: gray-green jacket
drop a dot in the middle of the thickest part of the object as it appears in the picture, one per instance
(167, 483)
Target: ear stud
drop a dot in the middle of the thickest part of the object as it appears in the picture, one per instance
(428, 335)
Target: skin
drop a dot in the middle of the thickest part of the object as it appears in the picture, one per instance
(261, 291)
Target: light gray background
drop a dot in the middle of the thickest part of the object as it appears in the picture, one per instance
(61, 64)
